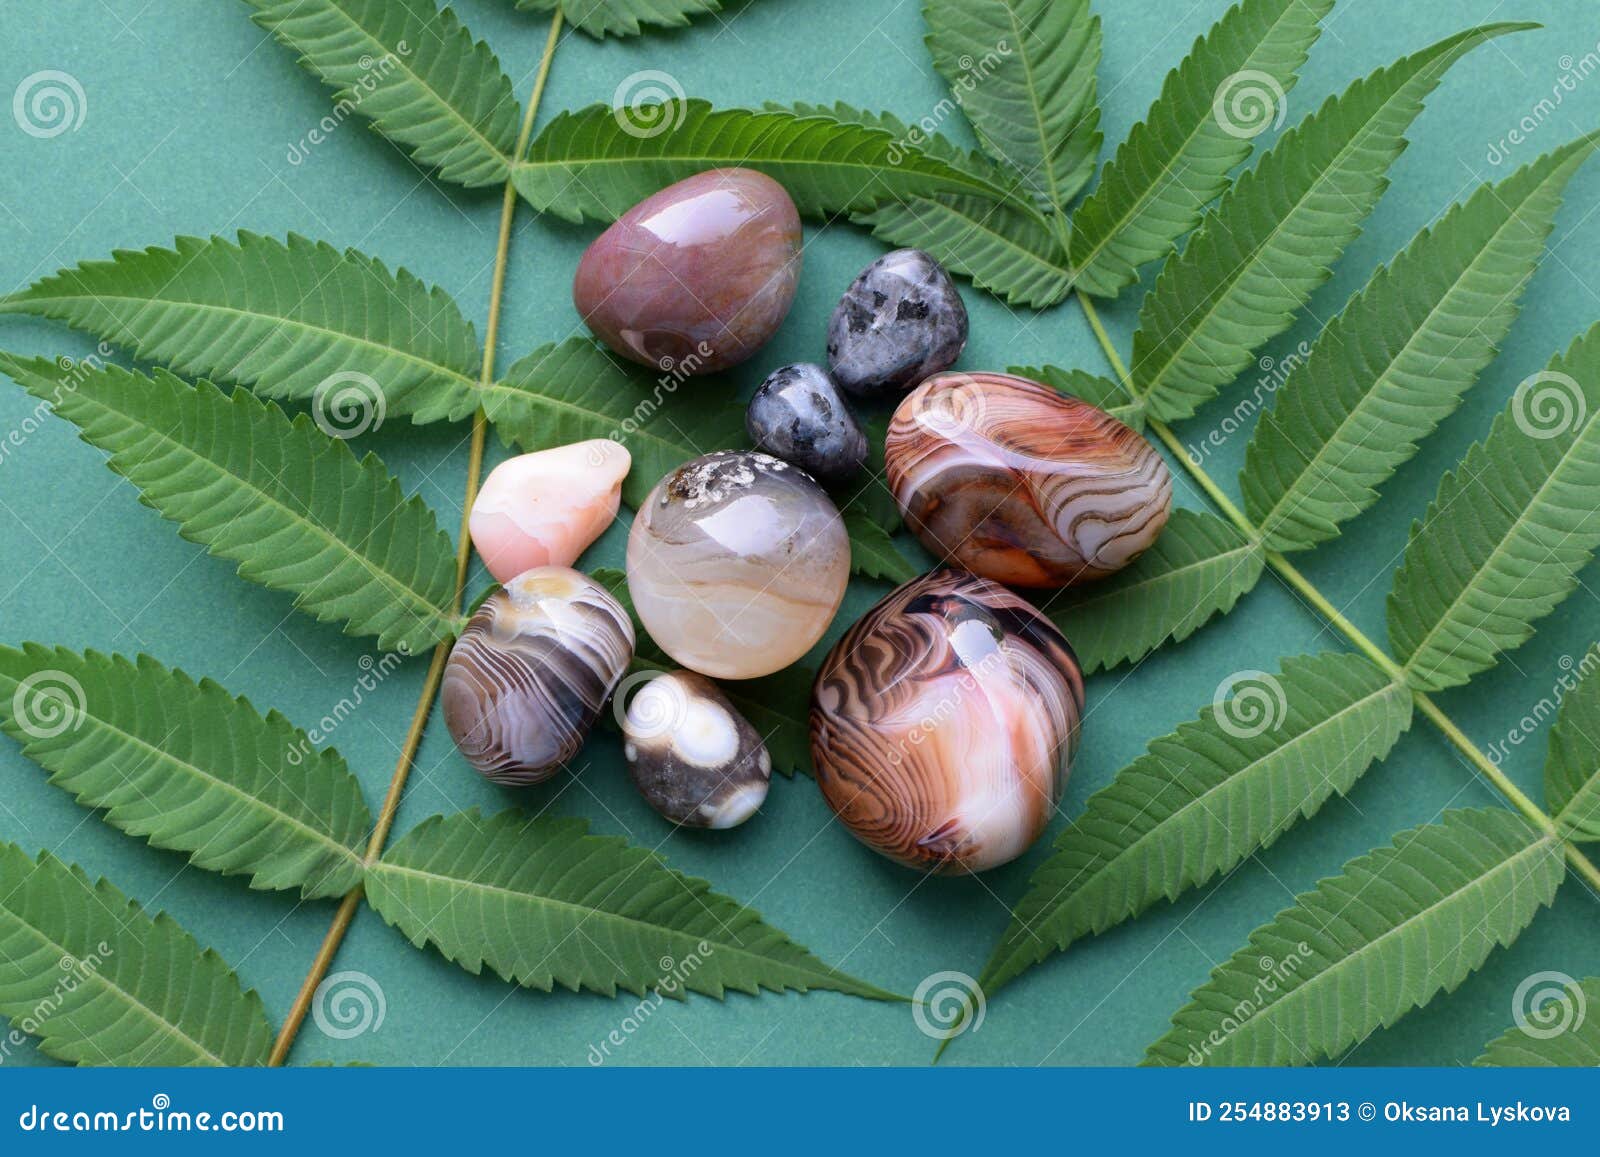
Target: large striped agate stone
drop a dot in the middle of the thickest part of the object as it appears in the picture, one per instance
(1018, 483)
(944, 722)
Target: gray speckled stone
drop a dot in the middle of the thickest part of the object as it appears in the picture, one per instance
(799, 415)
(900, 321)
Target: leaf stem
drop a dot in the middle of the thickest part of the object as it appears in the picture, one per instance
(1313, 596)
(344, 916)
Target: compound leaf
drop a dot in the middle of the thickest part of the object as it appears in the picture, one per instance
(188, 767)
(598, 162)
(1572, 767)
(282, 317)
(541, 902)
(1204, 798)
(602, 18)
(414, 71)
(1399, 357)
(1199, 567)
(126, 988)
(1397, 927)
(1504, 538)
(1229, 89)
(1273, 237)
(1023, 71)
(292, 505)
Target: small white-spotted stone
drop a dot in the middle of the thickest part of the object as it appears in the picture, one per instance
(694, 758)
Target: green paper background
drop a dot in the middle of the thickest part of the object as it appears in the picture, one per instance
(191, 114)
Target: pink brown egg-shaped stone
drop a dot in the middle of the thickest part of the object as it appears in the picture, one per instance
(1018, 483)
(697, 277)
(548, 507)
(944, 722)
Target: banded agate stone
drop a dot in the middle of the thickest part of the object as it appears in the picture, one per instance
(529, 676)
(694, 278)
(943, 724)
(737, 562)
(1018, 483)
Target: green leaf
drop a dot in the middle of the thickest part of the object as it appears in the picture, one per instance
(1503, 540)
(602, 18)
(1005, 250)
(1023, 71)
(1398, 359)
(1399, 925)
(778, 706)
(1205, 798)
(1572, 767)
(1562, 1028)
(1274, 236)
(576, 390)
(279, 317)
(1092, 388)
(873, 553)
(970, 161)
(542, 903)
(1177, 160)
(118, 987)
(188, 767)
(598, 162)
(291, 505)
(412, 70)
(1199, 567)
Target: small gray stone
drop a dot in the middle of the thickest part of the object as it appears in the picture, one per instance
(900, 321)
(799, 415)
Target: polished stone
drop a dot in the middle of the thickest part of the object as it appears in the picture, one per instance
(944, 722)
(694, 278)
(737, 562)
(799, 415)
(900, 320)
